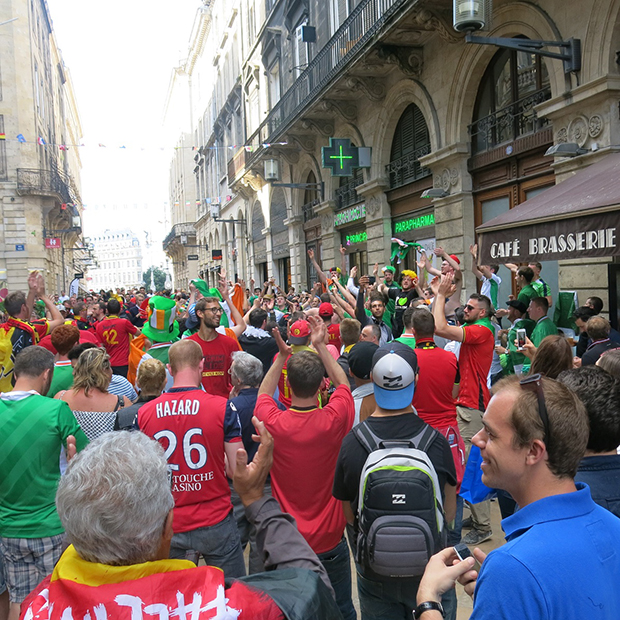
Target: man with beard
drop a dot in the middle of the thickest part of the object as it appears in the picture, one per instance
(34, 429)
(402, 298)
(216, 348)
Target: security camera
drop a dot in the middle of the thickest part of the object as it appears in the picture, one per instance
(471, 15)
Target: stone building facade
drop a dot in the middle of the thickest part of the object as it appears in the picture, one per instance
(119, 261)
(39, 157)
(472, 120)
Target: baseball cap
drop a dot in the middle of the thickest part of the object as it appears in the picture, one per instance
(519, 305)
(300, 330)
(454, 257)
(360, 358)
(394, 366)
(326, 309)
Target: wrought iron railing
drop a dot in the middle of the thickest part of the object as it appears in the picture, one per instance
(353, 36)
(43, 182)
(308, 210)
(408, 168)
(183, 228)
(346, 195)
(505, 125)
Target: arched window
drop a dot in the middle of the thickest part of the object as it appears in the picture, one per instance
(513, 84)
(411, 141)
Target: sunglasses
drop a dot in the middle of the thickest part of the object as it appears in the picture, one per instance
(470, 307)
(534, 384)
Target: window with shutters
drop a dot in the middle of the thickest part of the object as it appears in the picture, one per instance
(338, 12)
(411, 141)
(274, 84)
(300, 51)
(514, 83)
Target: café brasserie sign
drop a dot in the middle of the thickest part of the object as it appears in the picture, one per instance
(580, 237)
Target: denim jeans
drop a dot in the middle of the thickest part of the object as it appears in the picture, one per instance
(338, 566)
(219, 545)
(395, 599)
(454, 534)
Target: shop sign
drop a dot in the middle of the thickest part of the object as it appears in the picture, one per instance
(216, 254)
(353, 238)
(52, 242)
(414, 223)
(352, 214)
(587, 236)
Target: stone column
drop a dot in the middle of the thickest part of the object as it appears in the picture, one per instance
(329, 236)
(378, 220)
(454, 214)
(294, 223)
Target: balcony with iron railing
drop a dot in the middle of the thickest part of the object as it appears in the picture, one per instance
(408, 168)
(183, 228)
(354, 37)
(509, 123)
(308, 210)
(346, 195)
(37, 182)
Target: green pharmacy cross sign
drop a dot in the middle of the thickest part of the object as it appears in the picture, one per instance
(341, 157)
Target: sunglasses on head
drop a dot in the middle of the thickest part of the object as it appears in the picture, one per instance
(534, 384)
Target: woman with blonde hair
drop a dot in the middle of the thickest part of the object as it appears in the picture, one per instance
(92, 405)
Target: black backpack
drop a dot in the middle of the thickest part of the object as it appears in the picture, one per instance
(401, 522)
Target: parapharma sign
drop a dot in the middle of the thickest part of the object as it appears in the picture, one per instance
(587, 236)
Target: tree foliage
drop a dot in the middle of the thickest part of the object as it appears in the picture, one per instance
(159, 276)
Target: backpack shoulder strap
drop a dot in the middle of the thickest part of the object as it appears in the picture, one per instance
(366, 437)
(423, 440)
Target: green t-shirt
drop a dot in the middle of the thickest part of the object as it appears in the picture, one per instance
(62, 378)
(514, 359)
(527, 293)
(408, 340)
(34, 428)
(545, 327)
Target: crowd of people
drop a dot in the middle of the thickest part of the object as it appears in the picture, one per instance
(142, 432)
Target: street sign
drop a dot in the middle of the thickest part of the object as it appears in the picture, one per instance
(341, 157)
(192, 257)
(52, 242)
(78, 276)
(20, 247)
(216, 254)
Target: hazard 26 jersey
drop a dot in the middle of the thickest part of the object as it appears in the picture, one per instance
(192, 427)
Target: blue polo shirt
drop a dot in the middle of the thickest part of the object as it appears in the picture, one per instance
(561, 560)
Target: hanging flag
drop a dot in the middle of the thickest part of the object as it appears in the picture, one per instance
(401, 248)
(63, 206)
(249, 148)
(20, 138)
(41, 141)
(2, 136)
(208, 201)
(228, 198)
(62, 147)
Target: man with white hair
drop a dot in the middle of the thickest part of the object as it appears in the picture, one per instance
(116, 507)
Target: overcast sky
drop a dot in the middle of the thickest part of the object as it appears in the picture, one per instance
(120, 55)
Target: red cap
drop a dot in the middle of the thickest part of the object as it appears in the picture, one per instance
(300, 330)
(455, 259)
(326, 309)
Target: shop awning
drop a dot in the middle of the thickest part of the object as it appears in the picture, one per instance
(578, 218)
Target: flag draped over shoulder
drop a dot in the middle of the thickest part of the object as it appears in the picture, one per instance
(164, 588)
(136, 351)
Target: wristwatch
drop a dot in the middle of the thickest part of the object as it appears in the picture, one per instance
(428, 606)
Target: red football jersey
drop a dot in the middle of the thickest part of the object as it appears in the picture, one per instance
(192, 427)
(114, 333)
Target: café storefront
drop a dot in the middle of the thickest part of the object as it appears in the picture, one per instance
(575, 220)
